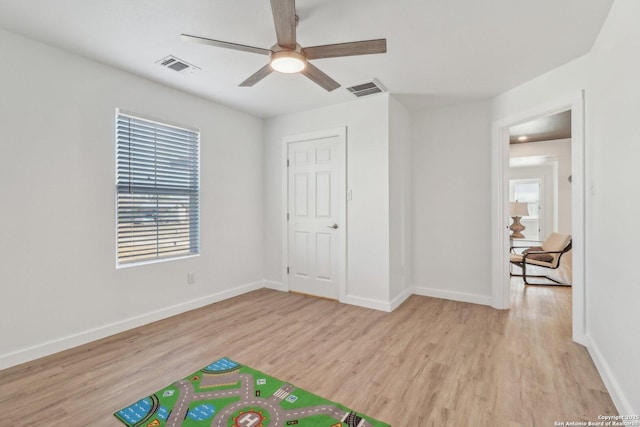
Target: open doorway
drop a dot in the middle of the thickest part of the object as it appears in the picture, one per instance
(500, 198)
(540, 181)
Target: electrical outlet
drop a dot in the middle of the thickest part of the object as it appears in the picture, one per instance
(191, 278)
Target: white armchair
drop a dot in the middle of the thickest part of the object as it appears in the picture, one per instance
(548, 255)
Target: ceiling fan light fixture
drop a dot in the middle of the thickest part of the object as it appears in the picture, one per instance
(288, 61)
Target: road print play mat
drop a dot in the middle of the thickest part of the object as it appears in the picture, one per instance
(228, 394)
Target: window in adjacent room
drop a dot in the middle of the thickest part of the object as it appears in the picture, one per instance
(528, 191)
(158, 190)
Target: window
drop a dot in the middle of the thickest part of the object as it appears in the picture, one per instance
(528, 191)
(158, 190)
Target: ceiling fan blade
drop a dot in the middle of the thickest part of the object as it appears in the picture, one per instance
(365, 47)
(320, 78)
(257, 76)
(284, 17)
(227, 45)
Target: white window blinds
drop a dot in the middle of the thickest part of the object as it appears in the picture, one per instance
(158, 190)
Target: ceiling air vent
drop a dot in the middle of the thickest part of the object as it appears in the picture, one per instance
(367, 88)
(177, 64)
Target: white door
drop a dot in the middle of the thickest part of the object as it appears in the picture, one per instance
(316, 190)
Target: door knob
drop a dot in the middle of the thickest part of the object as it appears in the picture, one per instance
(334, 226)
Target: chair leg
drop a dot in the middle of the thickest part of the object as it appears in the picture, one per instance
(524, 273)
(524, 276)
(547, 284)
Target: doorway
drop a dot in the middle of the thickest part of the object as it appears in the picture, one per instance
(500, 197)
(540, 178)
(314, 245)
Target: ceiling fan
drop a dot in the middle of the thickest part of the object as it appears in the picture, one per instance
(287, 56)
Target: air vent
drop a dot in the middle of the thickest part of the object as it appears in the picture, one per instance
(177, 64)
(367, 88)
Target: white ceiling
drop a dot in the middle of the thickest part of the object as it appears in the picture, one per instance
(439, 51)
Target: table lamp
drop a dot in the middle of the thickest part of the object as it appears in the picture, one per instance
(516, 211)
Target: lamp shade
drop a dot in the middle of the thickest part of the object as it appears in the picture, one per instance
(518, 209)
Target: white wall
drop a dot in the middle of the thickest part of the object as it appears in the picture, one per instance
(367, 122)
(545, 89)
(451, 187)
(399, 201)
(613, 316)
(59, 283)
(609, 75)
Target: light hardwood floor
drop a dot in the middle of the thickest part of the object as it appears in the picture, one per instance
(429, 363)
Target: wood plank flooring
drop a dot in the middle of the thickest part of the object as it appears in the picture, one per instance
(430, 363)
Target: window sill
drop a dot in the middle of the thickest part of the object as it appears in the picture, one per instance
(120, 265)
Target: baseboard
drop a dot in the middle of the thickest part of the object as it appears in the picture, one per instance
(622, 403)
(276, 286)
(367, 303)
(397, 301)
(350, 299)
(31, 353)
(428, 292)
(451, 295)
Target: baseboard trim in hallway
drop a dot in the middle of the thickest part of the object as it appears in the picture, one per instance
(619, 399)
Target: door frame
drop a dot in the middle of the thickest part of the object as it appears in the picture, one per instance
(341, 134)
(500, 196)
